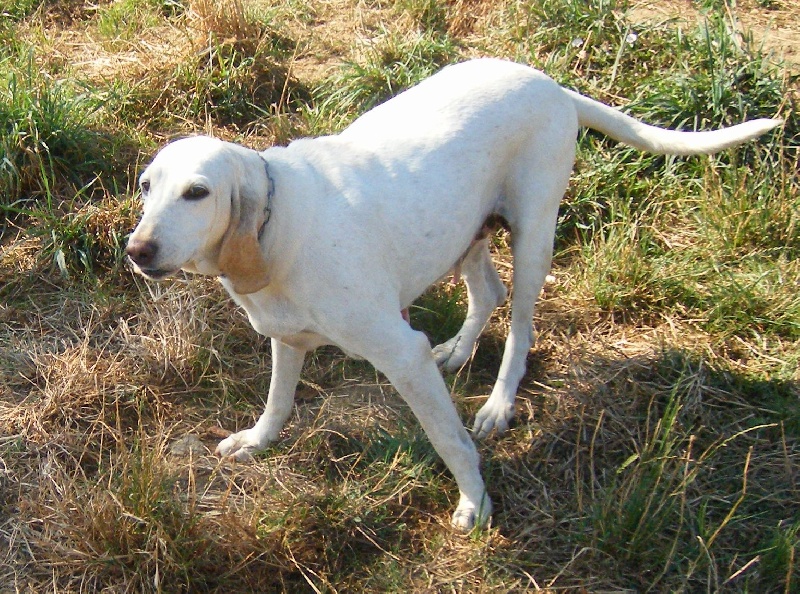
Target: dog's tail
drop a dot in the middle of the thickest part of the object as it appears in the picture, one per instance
(628, 130)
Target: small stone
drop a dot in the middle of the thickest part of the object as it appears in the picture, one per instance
(188, 445)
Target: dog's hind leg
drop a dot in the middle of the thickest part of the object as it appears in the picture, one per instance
(533, 210)
(485, 292)
(531, 264)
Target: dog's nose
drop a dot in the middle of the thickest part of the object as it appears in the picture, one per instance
(143, 253)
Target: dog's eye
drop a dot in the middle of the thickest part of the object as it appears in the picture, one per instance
(145, 185)
(196, 193)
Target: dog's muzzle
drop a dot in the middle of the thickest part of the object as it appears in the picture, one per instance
(143, 255)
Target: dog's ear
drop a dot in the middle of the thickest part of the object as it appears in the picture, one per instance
(240, 257)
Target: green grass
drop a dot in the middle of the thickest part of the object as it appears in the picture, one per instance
(16, 10)
(126, 20)
(654, 514)
(657, 439)
(47, 134)
(393, 64)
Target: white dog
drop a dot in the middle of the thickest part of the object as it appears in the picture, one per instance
(327, 240)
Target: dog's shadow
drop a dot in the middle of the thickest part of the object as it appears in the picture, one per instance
(621, 452)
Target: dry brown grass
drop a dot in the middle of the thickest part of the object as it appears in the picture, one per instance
(95, 498)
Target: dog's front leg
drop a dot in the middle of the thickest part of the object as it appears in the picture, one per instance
(287, 362)
(404, 355)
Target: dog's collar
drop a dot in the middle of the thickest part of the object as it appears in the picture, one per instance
(270, 196)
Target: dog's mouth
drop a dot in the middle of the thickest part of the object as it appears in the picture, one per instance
(156, 274)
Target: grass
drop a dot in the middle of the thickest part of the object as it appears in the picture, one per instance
(48, 136)
(657, 439)
(393, 64)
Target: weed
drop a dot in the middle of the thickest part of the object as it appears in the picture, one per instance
(440, 312)
(234, 79)
(723, 82)
(779, 557)
(430, 16)
(576, 41)
(46, 135)
(85, 239)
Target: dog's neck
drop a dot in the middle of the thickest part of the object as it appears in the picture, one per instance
(270, 196)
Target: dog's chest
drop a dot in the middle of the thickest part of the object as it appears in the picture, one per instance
(271, 314)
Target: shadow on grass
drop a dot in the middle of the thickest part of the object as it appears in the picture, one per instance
(667, 473)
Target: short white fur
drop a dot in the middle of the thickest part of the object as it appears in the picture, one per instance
(364, 221)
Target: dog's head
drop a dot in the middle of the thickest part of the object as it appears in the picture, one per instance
(204, 203)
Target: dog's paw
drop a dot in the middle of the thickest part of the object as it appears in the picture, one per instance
(468, 514)
(452, 355)
(495, 414)
(240, 446)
